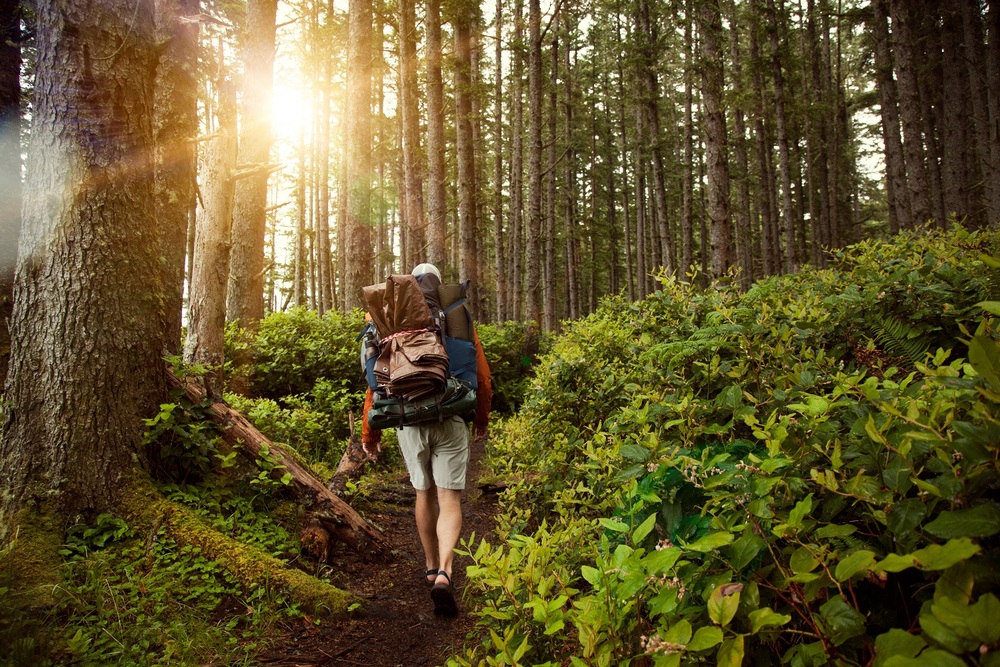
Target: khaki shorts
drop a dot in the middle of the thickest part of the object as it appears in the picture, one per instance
(436, 454)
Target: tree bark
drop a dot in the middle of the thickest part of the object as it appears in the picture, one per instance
(322, 505)
(175, 125)
(549, 277)
(413, 177)
(213, 233)
(10, 165)
(358, 140)
(532, 286)
(86, 337)
(909, 112)
(716, 145)
(499, 237)
(437, 220)
(956, 93)
(895, 166)
(781, 124)
(975, 51)
(516, 247)
(465, 148)
(687, 177)
(245, 296)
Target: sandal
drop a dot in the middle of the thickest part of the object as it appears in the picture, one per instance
(443, 596)
(433, 572)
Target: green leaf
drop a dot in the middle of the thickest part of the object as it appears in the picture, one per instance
(905, 516)
(710, 542)
(990, 306)
(661, 560)
(730, 653)
(760, 618)
(943, 556)
(800, 511)
(842, 621)
(634, 452)
(979, 521)
(803, 561)
(643, 529)
(835, 530)
(983, 617)
(935, 658)
(723, 603)
(616, 525)
(591, 574)
(984, 355)
(897, 642)
(705, 638)
(744, 550)
(679, 632)
(859, 561)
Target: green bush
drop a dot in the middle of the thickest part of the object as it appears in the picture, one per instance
(776, 477)
(511, 349)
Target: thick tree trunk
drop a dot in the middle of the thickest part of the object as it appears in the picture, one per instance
(910, 112)
(324, 508)
(437, 221)
(781, 124)
(716, 145)
(10, 165)
(175, 124)
(993, 98)
(687, 178)
(549, 277)
(210, 268)
(516, 247)
(245, 297)
(956, 159)
(975, 62)
(895, 166)
(413, 175)
(86, 336)
(744, 239)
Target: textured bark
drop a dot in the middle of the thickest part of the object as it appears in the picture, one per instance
(532, 279)
(741, 165)
(213, 234)
(322, 506)
(358, 141)
(515, 252)
(175, 125)
(413, 173)
(895, 166)
(993, 97)
(245, 300)
(770, 248)
(549, 273)
(499, 237)
(910, 113)
(687, 179)
(975, 61)
(781, 126)
(955, 159)
(437, 221)
(10, 165)
(323, 255)
(465, 148)
(86, 339)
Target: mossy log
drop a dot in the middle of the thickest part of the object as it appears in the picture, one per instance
(147, 511)
(325, 512)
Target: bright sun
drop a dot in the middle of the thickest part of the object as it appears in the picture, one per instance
(291, 120)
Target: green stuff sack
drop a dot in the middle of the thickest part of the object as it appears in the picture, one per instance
(456, 399)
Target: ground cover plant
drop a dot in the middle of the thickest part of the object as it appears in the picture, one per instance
(801, 474)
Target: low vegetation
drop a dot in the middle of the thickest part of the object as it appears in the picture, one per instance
(801, 474)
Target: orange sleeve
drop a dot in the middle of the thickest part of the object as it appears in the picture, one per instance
(369, 435)
(484, 391)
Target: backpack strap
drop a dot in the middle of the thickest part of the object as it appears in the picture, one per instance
(454, 305)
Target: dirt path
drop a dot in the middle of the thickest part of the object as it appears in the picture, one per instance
(398, 627)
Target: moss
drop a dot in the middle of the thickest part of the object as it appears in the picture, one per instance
(29, 557)
(147, 511)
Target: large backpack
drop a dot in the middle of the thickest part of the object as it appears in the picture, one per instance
(451, 323)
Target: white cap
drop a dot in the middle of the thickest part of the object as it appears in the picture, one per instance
(421, 269)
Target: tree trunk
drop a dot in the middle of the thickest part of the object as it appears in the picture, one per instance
(532, 286)
(210, 268)
(895, 167)
(516, 248)
(716, 145)
(687, 177)
(358, 139)
(499, 257)
(10, 165)
(972, 27)
(85, 333)
(323, 507)
(781, 124)
(744, 240)
(909, 112)
(549, 278)
(323, 254)
(955, 156)
(413, 176)
(175, 124)
(768, 209)
(437, 220)
(993, 98)
(245, 298)
(465, 148)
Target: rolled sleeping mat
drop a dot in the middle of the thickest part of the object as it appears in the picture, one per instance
(458, 322)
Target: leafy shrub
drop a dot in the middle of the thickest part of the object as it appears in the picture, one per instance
(724, 478)
(511, 349)
(294, 350)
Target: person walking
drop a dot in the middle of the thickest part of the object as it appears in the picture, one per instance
(436, 455)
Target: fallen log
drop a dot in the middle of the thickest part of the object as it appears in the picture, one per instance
(351, 463)
(325, 511)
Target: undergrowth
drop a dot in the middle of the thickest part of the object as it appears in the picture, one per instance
(803, 474)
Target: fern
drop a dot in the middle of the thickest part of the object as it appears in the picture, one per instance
(899, 338)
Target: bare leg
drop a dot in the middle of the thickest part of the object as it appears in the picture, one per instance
(449, 527)
(426, 512)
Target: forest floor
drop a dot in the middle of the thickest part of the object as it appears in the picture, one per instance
(396, 626)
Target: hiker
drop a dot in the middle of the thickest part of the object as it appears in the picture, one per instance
(436, 454)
